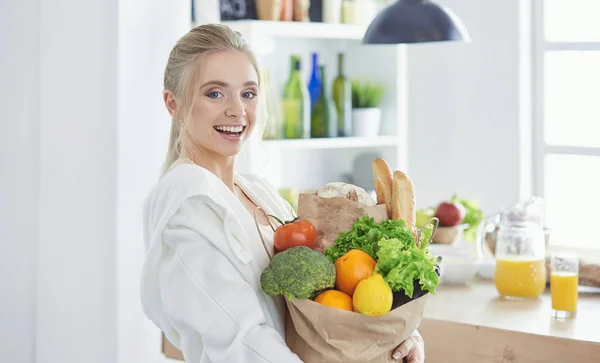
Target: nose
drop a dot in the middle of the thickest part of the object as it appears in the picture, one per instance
(235, 108)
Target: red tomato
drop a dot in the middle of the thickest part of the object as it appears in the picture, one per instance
(298, 232)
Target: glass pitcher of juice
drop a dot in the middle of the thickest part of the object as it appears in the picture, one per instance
(530, 210)
(520, 260)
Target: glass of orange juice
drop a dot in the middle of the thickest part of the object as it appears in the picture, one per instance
(564, 282)
(520, 260)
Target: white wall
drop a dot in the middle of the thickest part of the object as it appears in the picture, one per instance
(82, 137)
(19, 177)
(464, 109)
(76, 306)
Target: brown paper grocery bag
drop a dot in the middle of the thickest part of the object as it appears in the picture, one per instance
(323, 334)
(332, 216)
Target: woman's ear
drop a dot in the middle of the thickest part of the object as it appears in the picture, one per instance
(170, 102)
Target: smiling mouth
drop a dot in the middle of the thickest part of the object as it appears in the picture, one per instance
(230, 130)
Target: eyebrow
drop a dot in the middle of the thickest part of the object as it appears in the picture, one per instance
(224, 84)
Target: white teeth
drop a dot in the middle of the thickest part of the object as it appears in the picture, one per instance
(230, 128)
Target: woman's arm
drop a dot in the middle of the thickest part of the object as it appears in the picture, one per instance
(205, 296)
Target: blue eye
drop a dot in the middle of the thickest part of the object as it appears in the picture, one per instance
(249, 95)
(214, 94)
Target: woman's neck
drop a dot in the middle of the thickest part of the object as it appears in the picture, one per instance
(221, 166)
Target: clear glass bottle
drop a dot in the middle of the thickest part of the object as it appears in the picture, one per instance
(273, 129)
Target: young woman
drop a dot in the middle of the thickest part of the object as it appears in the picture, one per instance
(201, 279)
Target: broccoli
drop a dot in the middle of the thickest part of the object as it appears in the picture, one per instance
(298, 272)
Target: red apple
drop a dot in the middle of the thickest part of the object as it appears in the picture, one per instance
(450, 213)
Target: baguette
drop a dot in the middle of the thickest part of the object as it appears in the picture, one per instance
(382, 177)
(403, 199)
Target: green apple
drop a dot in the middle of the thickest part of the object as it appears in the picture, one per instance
(423, 215)
(291, 195)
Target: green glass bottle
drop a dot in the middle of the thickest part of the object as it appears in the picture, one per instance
(324, 114)
(342, 97)
(296, 104)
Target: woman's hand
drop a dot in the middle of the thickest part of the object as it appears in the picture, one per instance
(412, 349)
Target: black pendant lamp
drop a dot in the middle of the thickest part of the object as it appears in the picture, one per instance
(415, 21)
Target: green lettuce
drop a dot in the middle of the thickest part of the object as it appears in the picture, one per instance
(473, 217)
(401, 263)
(399, 260)
(425, 237)
(365, 235)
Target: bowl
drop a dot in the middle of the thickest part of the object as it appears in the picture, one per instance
(487, 269)
(458, 270)
(448, 235)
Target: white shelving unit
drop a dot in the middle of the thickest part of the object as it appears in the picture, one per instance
(293, 29)
(309, 163)
(336, 143)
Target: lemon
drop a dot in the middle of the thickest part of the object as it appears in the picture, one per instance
(372, 296)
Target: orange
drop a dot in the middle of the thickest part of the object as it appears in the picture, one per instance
(336, 299)
(351, 268)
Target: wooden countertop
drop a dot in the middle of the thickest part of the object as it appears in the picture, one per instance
(473, 324)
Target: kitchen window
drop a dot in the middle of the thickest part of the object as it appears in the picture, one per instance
(566, 86)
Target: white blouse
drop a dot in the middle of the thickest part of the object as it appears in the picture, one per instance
(201, 277)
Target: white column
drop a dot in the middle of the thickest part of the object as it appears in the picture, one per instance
(77, 280)
(19, 177)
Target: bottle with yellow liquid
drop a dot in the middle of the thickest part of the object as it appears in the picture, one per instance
(564, 284)
(520, 260)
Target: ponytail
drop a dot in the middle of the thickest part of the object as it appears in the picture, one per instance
(174, 150)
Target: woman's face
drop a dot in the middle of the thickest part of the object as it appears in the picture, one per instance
(225, 108)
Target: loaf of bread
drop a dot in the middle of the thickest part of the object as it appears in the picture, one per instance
(589, 273)
(403, 199)
(382, 178)
(345, 190)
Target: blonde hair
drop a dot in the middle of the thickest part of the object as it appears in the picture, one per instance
(182, 70)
